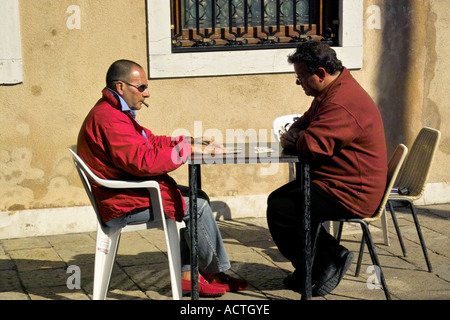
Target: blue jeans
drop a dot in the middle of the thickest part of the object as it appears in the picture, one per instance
(212, 256)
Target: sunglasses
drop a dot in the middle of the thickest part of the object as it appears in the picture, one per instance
(140, 88)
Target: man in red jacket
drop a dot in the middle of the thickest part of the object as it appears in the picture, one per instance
(342, 136)
(115, 146)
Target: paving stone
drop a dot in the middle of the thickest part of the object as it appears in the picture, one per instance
(9, 281)
(35, 259)
(13, 295)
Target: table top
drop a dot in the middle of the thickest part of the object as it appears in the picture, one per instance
(250, 152)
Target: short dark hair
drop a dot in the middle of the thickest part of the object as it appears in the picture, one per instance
(120, 70)
(315, 54)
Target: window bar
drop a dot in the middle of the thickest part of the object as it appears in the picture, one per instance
(238, 36)
(213, 23)
(320, 26)
(230, 19)
(270, 32)
(246, 11)
(205, 40)
(177, 26)
(294, 16)
(262, 19)
(297, 27)
(278, 13)
(197, 22)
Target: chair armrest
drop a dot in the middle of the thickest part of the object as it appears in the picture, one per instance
(120, 184)
(114, 184)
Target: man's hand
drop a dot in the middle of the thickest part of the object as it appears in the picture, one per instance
(202, 140)
(205, 145)
(289, 139)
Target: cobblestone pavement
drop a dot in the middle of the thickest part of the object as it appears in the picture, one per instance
(40, 268)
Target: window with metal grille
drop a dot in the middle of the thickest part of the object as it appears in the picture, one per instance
(211, 25)
(341, 19)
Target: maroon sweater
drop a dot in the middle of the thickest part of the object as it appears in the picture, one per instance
(345, 142)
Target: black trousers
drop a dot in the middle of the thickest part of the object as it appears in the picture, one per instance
(285, 218)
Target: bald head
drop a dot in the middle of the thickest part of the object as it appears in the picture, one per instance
(120, 70)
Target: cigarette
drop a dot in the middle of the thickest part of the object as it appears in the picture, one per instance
(145, 104)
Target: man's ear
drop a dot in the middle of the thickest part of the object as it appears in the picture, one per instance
(321, 73)
(119, 87)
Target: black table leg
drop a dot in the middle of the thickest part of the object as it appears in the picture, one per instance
(193, 176)
(303, 173)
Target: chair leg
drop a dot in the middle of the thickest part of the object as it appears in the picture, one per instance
(340, 226)
(368, 238)
(292, 173)
(419, 233)
(361, 248)
(314, 242)
(360, 256)
(385, 227)
(397, 229)
(171, 231)
(105, 254)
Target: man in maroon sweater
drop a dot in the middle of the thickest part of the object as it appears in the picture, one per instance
(342, 136)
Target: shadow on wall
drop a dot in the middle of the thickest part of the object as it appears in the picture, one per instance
(392, 76)
(221, 209)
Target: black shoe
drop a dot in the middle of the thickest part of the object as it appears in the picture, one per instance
(333, 274)
(294, 281)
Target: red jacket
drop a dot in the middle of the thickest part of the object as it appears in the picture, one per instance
(345, 141)
(113, 146)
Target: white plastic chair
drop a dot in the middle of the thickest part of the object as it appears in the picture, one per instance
(279, 126)
(283, 123)
(108, 238)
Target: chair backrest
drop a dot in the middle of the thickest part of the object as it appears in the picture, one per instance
(282, 124)
(394, 165)
(85, 175)
(416, 168)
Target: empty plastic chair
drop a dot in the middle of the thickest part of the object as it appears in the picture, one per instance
(412, 179)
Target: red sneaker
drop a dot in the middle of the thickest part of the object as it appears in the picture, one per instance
(222, 280)
(205, 289)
